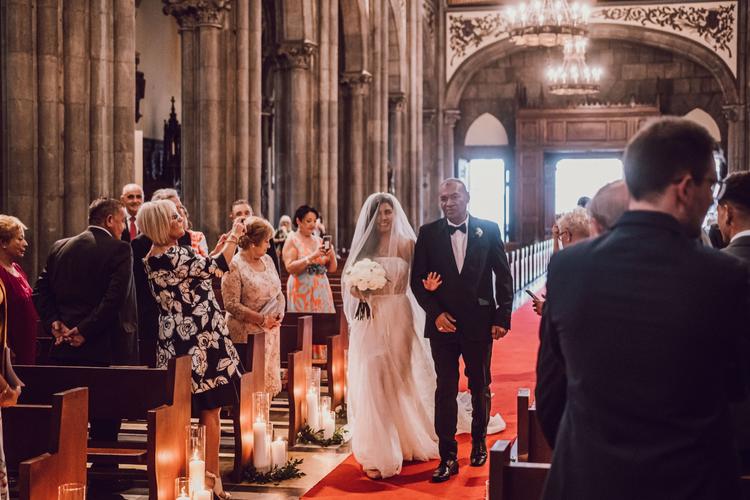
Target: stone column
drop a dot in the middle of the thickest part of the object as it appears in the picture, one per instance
(101, 98)
(256, 104)
(242, 133)
(414, 111)
(123, 133)
(332, 212)
(356, 88)
(295, 119)
(736, 116)
(323, 100)
(396, 107)
(50, 206)
(372, 180)
(450, 118)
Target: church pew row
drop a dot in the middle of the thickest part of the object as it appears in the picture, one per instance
(160, 397)
(46, 444)
(299, 363)
(510, 480)
(532, 445)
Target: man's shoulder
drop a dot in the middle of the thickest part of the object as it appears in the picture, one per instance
(431, 226)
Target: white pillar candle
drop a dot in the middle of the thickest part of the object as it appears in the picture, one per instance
(329, 424)
(202, 495)
(278, 453)
(312, 410)
(183, 497)
(197, 474)
(260, 446)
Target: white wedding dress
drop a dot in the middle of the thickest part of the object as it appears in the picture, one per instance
(391, 380)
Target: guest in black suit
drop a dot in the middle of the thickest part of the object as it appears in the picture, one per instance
(132, 199)
(464, 314)
(85, 295)
(734, 215)
(639, 336)
(148, 309)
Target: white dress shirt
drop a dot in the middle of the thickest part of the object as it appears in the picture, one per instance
(459, 239)
(746, 232)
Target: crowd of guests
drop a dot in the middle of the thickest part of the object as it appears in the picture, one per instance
(136, 287)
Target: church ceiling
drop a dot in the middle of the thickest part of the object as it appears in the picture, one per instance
(710, 24)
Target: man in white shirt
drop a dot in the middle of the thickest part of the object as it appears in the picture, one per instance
(132, 199)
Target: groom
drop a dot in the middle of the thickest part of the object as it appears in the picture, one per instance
(463, 314)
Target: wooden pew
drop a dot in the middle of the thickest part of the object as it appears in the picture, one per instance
(55, 436)
(514, 480)
(297, 389)
(296, 334)
(532, 445)
(161, 397)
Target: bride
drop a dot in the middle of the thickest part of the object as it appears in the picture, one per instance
(391, 377)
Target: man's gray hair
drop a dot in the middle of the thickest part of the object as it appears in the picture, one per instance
(165, 194)
(455, 180)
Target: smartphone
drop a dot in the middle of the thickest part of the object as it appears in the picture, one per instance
(531, 294)
(327, 242)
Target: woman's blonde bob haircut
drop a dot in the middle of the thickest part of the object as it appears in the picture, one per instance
(154, 218)
(10, 227)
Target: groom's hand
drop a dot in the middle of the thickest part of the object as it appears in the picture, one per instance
(445, 323)
(498, 332)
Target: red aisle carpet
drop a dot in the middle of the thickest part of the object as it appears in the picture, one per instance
(513, 366)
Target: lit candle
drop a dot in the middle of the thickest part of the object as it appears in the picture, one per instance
(197, 473)
(329, 424)
(202, 495)
(278, 453)
(312, 409)
(260, 445)
(183, 496)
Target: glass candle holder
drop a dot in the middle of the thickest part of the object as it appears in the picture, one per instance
(71, 491)
(196, 457)
(325, 405)
(279, 452)
(182, 488)
(261, 407)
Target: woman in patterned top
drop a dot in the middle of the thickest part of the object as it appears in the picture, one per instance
(253, 299)
(190, 320)
(308, 260)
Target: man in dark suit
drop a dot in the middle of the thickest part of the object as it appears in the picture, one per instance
(734, 215)
(85, 298)
(638, 357)
(132, 199)
(463, 314)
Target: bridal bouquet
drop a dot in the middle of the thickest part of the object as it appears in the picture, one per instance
(366, 275)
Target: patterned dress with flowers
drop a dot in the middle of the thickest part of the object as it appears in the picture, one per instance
(191, 323)
(309, 291)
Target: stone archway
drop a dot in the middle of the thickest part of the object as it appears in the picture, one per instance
(355, 34)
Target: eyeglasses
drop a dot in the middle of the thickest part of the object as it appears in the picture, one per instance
(176, 217)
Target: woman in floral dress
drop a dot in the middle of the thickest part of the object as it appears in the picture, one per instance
(190, 320)
(253, 299)
(307, 260)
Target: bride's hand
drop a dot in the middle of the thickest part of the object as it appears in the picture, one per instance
(357, 293)
(432, 282)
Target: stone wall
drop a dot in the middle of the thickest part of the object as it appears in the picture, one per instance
(631, 71)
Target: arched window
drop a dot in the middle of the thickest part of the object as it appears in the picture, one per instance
(486, 130)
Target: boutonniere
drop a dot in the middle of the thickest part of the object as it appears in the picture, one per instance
(478, 232)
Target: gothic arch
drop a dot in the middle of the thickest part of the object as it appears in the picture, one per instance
(687, 48)
(354, 26)
(397, 41)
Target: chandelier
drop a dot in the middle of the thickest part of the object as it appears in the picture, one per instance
(574, 76)
(547, 23)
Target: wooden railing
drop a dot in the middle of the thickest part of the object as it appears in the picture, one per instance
(529, 263)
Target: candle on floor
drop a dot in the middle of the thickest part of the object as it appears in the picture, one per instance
(312, 409)
(197, 473)
(202, 495)
(182, 487)
(329, 424)
(278, 453)
(260, 446)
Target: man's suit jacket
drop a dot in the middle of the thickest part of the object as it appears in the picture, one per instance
(88, 283)
(467, 296)
(638, 345)
(740, 248)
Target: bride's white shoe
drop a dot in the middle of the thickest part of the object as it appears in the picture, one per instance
(373, 474)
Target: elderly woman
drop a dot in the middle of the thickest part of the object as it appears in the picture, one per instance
(308, 259)
(22, 316)
(574, 227)
(253, 298)
(190, 320)
(285, 227)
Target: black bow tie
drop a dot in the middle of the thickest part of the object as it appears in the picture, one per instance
(453, 229)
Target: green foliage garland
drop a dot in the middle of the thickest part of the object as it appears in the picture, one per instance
(290, 470)
(307, 436)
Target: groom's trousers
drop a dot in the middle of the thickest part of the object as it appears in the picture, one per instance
(477, 354)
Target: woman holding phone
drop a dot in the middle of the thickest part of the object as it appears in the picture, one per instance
(308, 259)
(253, 298)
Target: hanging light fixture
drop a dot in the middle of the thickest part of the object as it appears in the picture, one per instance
(574, 76)
(547, 23)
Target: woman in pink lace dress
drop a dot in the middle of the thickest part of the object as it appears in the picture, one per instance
(253, 299)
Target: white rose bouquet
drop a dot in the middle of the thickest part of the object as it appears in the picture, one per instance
(366, 276)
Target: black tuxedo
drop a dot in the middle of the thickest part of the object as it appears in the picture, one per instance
(470, 298)
(637, 363)
(740, 248)
(88, 283)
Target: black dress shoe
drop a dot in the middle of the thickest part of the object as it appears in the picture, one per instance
(445, 470)
(478, 453)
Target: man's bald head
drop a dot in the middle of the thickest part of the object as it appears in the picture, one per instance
(608, 205)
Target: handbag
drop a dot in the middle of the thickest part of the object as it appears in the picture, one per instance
(6, 368)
